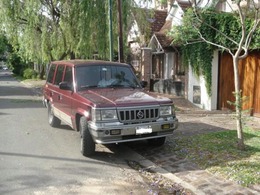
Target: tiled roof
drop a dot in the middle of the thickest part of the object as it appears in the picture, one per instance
(184, 4)
(161, 34)
(158, 20)
(162, 37)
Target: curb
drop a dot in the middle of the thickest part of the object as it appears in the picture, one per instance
(206, 188)
(149, 165)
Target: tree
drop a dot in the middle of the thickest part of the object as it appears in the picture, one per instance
(231, 32)
(46, 30)
(3, 46)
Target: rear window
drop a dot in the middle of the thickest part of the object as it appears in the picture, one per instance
(59, 74)
(68, 75)
(51, 73)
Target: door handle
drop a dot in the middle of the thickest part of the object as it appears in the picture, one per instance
(59, 97)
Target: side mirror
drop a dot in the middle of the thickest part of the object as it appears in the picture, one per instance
(144, 84)
(65, 86)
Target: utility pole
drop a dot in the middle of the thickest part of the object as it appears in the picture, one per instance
(120, 33)
(111, 49)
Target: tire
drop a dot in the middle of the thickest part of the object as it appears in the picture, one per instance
(53, 120)
(87, 145)
(157, 141)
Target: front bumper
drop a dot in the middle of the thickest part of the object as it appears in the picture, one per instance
(102, 132)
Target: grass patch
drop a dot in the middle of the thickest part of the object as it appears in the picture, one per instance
(217, 153)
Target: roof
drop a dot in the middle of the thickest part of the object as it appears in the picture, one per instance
(158, 20)
(163, 39)
(87, 62)
(161, 36)
(184, 4)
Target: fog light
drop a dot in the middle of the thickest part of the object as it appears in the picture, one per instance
(115, 132)
(166, 126)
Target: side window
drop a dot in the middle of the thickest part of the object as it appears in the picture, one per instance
(51, 73)
(59, 74)
(68, 75)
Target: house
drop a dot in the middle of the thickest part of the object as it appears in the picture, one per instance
(156, 60)
(161, 65)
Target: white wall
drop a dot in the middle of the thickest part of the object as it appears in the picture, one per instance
(175, 15)
(207, 102)
(168, 65)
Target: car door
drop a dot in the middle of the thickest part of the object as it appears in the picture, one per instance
(65, 100)
(49, 87)
(57, 93)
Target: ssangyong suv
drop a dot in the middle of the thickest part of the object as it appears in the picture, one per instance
(106, 103)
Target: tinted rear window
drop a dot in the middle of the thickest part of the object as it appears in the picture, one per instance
(51, 73)
(59, 74)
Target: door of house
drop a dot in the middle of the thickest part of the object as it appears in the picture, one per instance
(249, 72)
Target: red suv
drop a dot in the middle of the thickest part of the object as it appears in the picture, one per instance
(106, 103)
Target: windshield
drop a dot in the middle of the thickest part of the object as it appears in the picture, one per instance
(100, 76)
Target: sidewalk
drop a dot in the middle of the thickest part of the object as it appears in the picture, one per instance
(182, 171)
(192, 121)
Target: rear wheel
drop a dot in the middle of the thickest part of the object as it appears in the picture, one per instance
(87, 144)
(53, 120)
(157, 141)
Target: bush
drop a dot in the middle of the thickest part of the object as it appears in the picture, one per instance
(29, 73)
(15, 63)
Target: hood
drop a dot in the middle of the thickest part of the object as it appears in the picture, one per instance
(122, 97)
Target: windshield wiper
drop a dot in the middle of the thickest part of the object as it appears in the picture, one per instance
(115, 85)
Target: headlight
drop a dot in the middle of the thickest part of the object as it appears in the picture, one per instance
(102, 115)
(166, 110)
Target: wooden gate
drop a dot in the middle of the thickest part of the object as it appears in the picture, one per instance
(249, 73)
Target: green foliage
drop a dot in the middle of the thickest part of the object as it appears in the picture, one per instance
(219, 28)
(53, 30)
(29, 73)
(15, 63)
(4, 47)
(200, 56)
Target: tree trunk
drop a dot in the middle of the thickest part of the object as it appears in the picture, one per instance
(238, 105)
(42, 71)
(72, 55)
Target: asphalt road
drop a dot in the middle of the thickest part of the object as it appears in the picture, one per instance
(38, 159)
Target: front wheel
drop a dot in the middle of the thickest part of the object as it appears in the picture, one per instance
(86, 141)
(157, 141)
(53, 120)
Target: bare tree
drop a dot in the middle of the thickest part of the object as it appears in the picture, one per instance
(242, 10)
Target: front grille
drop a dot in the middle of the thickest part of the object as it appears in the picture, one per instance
(138, 114)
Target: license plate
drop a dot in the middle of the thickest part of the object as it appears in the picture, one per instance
(143, 130)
